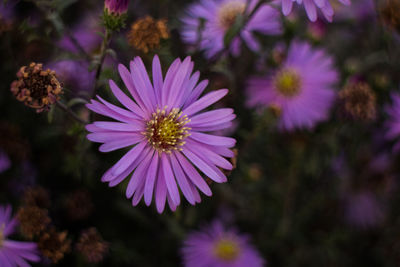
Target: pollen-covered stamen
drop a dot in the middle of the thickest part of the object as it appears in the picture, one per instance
(228, 13)
(226, 249)
(288, 82)
(166, 131)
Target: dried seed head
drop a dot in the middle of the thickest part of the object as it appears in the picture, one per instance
(92, 246)
(36, 196)
(358, 101)
(390, 13)
(146, 34)
(37, 88)
(53, 245)
(33, 220)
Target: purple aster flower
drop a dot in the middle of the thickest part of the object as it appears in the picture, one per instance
(393, 123)
(312, 6)
(14, 253)
(85, 34)
(5, 162)
(301, 89)
(116, 6)
(219, 16)
(360, 10)
(216, 246)
(167, 130)
(363, 209)
(74, 74)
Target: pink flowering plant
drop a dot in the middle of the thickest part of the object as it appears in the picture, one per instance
(199, 133)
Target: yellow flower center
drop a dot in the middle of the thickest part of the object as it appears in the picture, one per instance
(228, 12)
(288, 82)
(2, 235)
(227, 250)
(166, 131)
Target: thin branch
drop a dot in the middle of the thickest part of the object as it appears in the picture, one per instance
(104, 46)
(70, 112)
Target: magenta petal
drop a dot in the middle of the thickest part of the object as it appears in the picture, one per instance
(161, 192)
(182, 180)
(170, 179)
(139, 174)
(193, 175)
(205, 101)
(150, 179)
(213, 139)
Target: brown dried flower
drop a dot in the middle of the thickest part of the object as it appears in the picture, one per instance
(36, 87)
(79, 205)
(390, 12)
(33, 220)
(358, 101)
(146, 33)
(36, 196)
(92, 246)
(54, 245)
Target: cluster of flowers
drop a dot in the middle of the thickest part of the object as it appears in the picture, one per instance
(167, 125)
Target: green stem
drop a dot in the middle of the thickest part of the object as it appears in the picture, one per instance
(103, 49)
(72, 114)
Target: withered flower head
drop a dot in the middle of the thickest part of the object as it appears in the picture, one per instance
(92, 246)
(79, 205)
(36, 87)
(146, 33)
(33, 220)
(390, 12)
(54, 245)
(36, 196)
(358, 101)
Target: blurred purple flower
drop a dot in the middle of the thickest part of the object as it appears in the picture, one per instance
(301, 90)
(116, 6)
(85, 34)
(311, 7)
(360, 10)
(393, 123)
(165, 125)
(362, 209)
(14, 253)
(5, 162)
(7, 11)
(219, 16)
(215, 246)
(74, 74)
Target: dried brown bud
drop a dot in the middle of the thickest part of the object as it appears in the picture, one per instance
(36, 87)
(358, 101)
(390, 13)
(36, 196)
(92, 246)
(54, 245)
(33, 220)
(146, 33)
(79, 205)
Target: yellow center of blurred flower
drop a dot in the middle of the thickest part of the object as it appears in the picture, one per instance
(167, 131)
(288, 82)
(228, 12)
(226, 249)
(2, 235)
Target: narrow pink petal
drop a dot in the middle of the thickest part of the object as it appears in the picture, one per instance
(127, 78)
(205, 101)
(170, 179)
(168, 80)
(193, 174)
(157, 79)
(195, 94)
(208, 154)
(213, 139)
(118, 126)
(161, 192)
(139, 174)
(125, 100)
(182, 180)
(150, 179)
(120, 143)
(127, 159)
